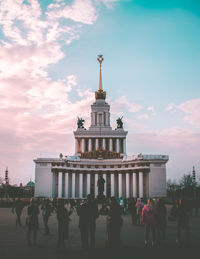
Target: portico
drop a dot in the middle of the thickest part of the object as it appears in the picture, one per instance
(78, 184)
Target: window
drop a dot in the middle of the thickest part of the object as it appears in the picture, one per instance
(100, 119)
(93, 144)
(95, 118)
(107, 143)
(114, 144)
(100, 142)
(121, 146)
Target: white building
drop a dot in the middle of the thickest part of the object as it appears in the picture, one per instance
(101, 150)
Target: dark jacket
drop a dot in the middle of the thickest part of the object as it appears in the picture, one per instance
(160, 215)
(114, 219)
(88, 213)
(63, 221)
(33, 212)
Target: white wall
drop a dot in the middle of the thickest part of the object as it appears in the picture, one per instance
(43, 180)
(157, 180)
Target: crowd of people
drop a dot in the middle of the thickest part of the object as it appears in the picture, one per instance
(152, 214)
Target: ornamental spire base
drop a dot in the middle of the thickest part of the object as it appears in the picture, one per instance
(100, 95)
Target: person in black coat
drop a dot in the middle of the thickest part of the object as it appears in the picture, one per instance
(63, 223)
(88, 213)
(161, 221)
(114, 224)
(46, 213)
(182, 216)
(132, 209)
(32, 217)
(18, 208)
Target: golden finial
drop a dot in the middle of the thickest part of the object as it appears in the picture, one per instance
(100, 59)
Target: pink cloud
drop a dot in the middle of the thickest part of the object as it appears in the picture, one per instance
(191, 108)
(36, 111)
(122, 103)
(143, 116)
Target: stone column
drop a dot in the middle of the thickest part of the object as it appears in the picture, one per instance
(112, 183)
(89, 144)
(134, 185)
(63, 185)
(54, 185)
(105, 184)
(120, 184)
(104, 143)
(127, 186)
(106, 118)
(80, 185)
(95, 184)
(117, 145)
(110, 145)
(97, 144)
(141, 184)
(60, 185)
(82, 145)
(88, 183)
(73, 185)
(93, 118)
(66, 185)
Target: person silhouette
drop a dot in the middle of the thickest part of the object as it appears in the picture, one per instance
(32, 217)
(63, 223)
(114, 224)
(88, 213)
(18, 208)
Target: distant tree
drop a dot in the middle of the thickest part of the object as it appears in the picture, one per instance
(171, 185)
(187, 181)
(171, 182)
(1, 180)
(188, 186)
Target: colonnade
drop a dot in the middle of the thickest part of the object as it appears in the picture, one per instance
(119, 184)
(90, 144)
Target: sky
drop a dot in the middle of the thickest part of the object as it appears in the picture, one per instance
(49, 72)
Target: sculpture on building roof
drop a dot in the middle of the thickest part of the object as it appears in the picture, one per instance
(119, 123)
(80, 123)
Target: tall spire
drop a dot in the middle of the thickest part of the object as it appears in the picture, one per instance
(100, 59)
(100, 94)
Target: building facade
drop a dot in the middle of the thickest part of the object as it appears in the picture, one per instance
(101, 151)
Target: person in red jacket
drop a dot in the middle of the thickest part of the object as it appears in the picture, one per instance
(148, 219)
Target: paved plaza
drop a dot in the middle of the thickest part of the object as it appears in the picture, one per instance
(13, 242)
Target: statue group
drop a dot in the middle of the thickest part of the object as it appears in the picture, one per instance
(80, 123)
(119, 123)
